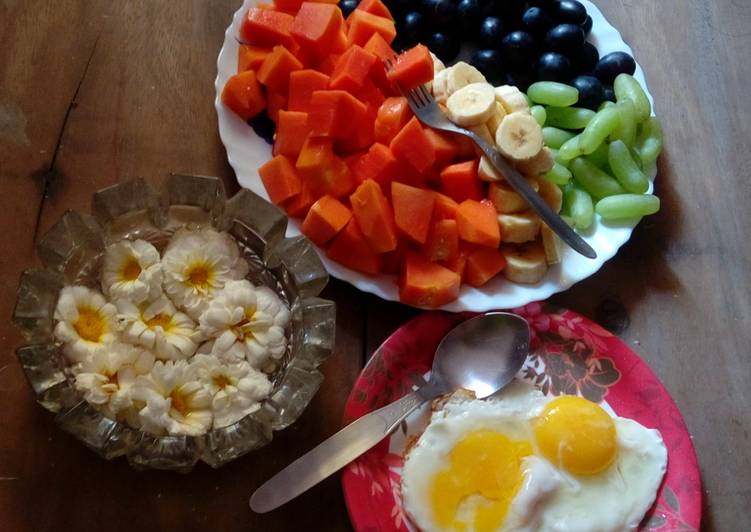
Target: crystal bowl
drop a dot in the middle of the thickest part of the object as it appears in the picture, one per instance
(71, 253)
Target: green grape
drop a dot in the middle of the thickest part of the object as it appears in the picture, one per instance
(577, 204)
(627, 88)
(649, 141)
(625, 206)
(605, 105)
(599, 158)
(569, 117)
(626, 130)
(538, 111)
(554, 137)
(559, 174)
(625, 169)
(598, 129)
(557, 158)
(569, 149)
(593, 180)
(552, 93)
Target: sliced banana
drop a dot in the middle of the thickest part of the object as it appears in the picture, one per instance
(552, 194)
(519, 137)
(506, 200)
(472, 105)
(496, 119)
(462, 74)
(438, 65)
(537, 165)
(525, 264)
(487, 172)
(484, 133)
(511, 98)
(440, 94)
(551, 244)
(519, 227)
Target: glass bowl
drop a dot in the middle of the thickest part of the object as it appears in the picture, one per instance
(71, 253)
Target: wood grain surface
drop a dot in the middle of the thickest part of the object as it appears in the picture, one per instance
(93, 92)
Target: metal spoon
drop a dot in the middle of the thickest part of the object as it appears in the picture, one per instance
(481, 354)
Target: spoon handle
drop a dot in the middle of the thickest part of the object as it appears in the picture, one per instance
(333, 454)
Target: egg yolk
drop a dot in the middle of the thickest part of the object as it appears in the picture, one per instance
(485, 464)
(577, 435)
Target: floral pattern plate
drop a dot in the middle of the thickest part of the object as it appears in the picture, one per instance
(570, 355)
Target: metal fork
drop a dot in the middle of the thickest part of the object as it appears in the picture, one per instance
(425, 107)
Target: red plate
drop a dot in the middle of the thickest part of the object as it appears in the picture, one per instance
(571, 355)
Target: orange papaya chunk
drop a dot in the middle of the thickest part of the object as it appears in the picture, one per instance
(243, 94)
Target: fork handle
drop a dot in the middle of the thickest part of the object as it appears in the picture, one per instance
(548, 215)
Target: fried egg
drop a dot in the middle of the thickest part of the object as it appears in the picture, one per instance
(526, 462)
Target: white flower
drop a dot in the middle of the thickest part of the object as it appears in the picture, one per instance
(246, 322)
(86, 321)
(197, 264)
(237, 389)
(132, 271)
(106, 376)
(175, 402)
(158, 326)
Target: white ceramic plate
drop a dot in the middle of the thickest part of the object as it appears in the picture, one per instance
(246, 152)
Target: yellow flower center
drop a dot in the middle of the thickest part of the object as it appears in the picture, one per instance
(222, 381)
(131, 270)
(179, 402)
(90, 325)
(160, 320)
(199, 275)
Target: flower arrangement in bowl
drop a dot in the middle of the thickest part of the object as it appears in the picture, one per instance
(175, 325)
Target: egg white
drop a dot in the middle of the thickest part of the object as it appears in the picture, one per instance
(550, 499)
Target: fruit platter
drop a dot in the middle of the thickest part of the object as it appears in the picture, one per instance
(312, 120)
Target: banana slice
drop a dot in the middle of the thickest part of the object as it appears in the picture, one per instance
(537, 165)
(551, 244)
(472, 105)
(440, 94)
(437, 64)
(462, 74)
(525, 264)
(506, 200)
(482, 131)
(552, 194)
(519, 137)
(487, 172)
(519, 227)
(511, 98)
(497, 118)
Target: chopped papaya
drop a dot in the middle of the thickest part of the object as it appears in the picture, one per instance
(277, 67)
(413, 210)
(362, 26)
(378, 164)
(445, 208)
(378, 46)
(266, 27)
(315, 29)
(243, 94)
(275, 102)
(374, 216)
(427, 284)
(281, 179)
(322, 171)
(459, 181)
(370, 95)
(291, 132)
(350, 249)
(376, 7)
(458, 264)
(391, 263)
(328, 64)
(412, 146)
(335, 113)
(443, 241)
(352, 69)
(297, 206)
(250, 57)
(325, 218)
(302, 85)
(483, 264)
(478, 223)
(393, 115)
(412, 68)
(361, 138)
(445, 148)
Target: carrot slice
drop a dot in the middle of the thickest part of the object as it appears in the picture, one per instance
(478, 223)
(412, 68)
(483, 264)
(393, 115)
(352, 69)
(315, 29)
(413, 210)
(322, 171)
(266, 27)
(291, 132)
(350, 249)
(412, 146)
(277, 67)
(443, 241)
(374, 216)
(325, 219)
(302, 85)
(427, 284)
(250, 57)
(243, 95)
(280, 178)
(459, 181)
(363, 25)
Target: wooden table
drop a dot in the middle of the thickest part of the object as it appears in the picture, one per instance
(95, 92)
